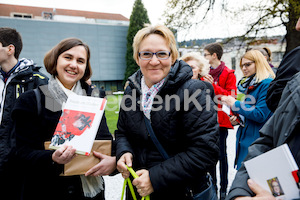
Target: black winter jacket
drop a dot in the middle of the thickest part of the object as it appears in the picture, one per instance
(288, 67)
(279, 129)
(42, 180)
(26, 79)
(188, 135)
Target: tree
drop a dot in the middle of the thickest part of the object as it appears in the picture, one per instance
(268, 14)
(138, 19)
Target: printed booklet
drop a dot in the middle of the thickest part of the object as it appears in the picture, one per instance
(79, 123)
(276, 171)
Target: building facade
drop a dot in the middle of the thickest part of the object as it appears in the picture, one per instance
(42, 28)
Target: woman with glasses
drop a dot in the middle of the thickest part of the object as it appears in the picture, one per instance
(162, 97)
(253, 110)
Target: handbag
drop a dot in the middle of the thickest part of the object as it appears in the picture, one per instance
(207, 194)
(80, 164)
(128, 181)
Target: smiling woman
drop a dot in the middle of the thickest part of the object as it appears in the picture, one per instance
(69, 64)
(189, 137)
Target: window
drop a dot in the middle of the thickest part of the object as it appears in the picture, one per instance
(21, 15)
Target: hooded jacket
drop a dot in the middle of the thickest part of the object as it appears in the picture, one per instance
(187, 133)
(25, 77)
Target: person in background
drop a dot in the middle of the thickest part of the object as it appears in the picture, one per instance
(200, 67)
(16, 77)
(102, 92)
(95, 91)
(253, 110)
(268, 55)
(189, 137)
(282, 127)
(224, 82)
(69, 65)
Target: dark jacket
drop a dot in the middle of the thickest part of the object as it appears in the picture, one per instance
(254, 119)
(188, 135)
(288, 67)
(279, 129)
(26, 77)
(42, 180)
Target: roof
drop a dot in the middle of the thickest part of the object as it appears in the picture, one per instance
(6, 9)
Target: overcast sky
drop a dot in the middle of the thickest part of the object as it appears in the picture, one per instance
(216, 25)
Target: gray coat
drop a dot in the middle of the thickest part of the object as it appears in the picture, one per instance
(274, 133)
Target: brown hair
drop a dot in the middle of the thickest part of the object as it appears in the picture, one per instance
(50, 59)
(215, 48)
(10, 36)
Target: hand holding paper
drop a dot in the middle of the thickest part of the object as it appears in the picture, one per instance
(259, 191)
(64, 154)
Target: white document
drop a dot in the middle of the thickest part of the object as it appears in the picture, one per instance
(273, 171)
(79, 123)
(226, 109)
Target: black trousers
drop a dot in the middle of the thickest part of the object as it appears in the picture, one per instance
(223, 162)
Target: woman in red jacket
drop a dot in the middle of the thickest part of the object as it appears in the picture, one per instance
(224, 82)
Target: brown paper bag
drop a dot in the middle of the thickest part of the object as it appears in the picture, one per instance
(81, 164)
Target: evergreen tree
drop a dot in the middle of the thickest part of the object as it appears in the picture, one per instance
(138, 19)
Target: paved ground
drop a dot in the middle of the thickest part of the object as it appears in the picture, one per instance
(114, 184)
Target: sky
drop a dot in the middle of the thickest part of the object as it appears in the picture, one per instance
(217, 25)
(155, 8)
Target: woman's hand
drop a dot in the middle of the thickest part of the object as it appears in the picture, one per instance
(233, 121)
(126, 159)
(143, 183)
(261, 194)
(106, 165)
(64, 154)
(228, 100)
(208, 78)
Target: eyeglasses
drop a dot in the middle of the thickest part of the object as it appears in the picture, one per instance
(247, 64)
(161, 55)
(206, 54)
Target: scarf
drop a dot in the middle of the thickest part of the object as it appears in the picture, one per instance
(215, 73)
(91, 185)
(148, 95)
(247, 84)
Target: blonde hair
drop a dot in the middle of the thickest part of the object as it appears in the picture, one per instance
(156, 29)
(202, 63)
(263, 69)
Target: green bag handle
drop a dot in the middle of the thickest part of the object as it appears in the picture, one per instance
(127, 180)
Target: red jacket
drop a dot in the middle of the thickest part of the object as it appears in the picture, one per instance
(225, 86)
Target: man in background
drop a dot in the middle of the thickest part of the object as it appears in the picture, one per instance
(16, 77)
(224, 82)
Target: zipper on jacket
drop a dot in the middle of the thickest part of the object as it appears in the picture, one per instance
(17, 91)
